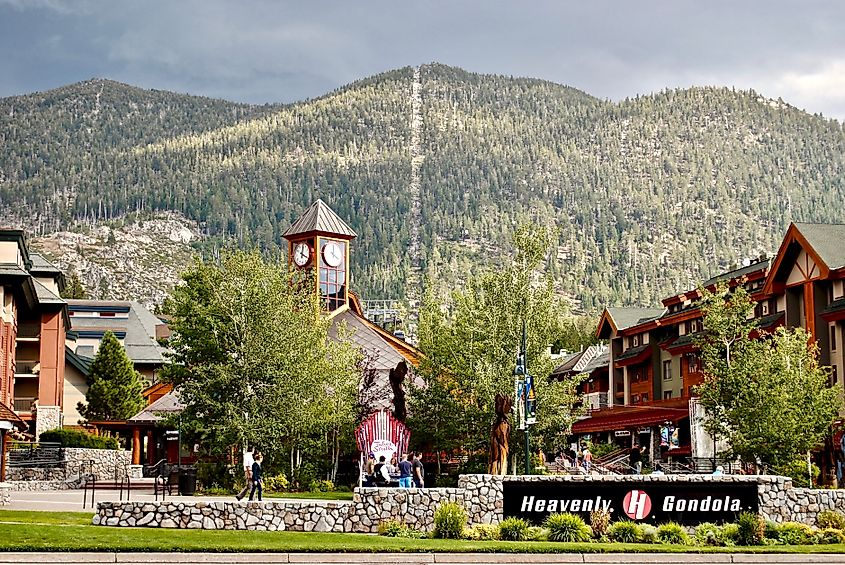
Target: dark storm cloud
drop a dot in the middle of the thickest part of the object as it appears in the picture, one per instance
(269, 51)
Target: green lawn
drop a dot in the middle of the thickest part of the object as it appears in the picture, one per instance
(71, 531)
(313, 495)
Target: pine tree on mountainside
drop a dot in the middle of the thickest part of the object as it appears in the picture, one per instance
(74, 289)
(115, 386)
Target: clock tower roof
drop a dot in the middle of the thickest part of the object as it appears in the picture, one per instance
(319, 218)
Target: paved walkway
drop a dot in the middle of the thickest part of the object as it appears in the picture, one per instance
(417, 558)
(71, 500)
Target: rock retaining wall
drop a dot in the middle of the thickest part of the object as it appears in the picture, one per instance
(368, 508)
(5, 494)
(481, 496)
(70, 464)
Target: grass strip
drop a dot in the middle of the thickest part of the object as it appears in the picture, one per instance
(71, 531)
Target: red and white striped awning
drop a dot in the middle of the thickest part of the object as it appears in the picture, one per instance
(380, 432)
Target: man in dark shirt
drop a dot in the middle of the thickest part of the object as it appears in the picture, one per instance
(418, 471)
(405, 472)
(636, 458)
(257, 481)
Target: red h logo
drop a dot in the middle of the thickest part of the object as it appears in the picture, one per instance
(637, 504)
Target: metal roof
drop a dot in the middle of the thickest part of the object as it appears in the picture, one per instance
(827, 240)
(624, 318)
(140, 329)
(158, 410)
(320, 218)
(41, 265)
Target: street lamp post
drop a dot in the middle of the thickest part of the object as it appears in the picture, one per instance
(525, 392)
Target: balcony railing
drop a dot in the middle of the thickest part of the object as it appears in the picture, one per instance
(23, 404)
(597, 400)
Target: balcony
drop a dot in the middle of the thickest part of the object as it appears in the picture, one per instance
(23, 405)
(29, 331)
(597, 400)
(27, 369)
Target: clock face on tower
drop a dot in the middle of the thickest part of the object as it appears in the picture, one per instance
(301, 254)
(332, 254)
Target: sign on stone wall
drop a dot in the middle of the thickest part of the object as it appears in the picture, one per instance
(647, 502)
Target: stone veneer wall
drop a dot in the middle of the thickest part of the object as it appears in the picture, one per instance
(100, 462)
(481, 495)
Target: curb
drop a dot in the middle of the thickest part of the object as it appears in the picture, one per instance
(421, 558)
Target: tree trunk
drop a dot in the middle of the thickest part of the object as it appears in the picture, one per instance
(499, 434)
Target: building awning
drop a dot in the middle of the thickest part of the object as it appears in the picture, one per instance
(628, 418)
(633, 356)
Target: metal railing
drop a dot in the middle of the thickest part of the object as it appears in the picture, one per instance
(23, 404)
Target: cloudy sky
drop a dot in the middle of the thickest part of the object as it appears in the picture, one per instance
(277, 51)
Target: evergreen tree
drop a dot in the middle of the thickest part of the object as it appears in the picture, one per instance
(115, 386)
(74, 288)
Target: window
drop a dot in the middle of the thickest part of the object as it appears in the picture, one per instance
(644, 397)
(667, 394)
(833, 337)
(635, 341)
(107, 314)
(764, 308)
(667, 370)
(692, 363)
(635, 399)
(834, 374)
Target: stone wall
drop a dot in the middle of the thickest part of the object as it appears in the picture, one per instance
(368, 508)
(72, 461)
(5, 494)
(100, 462)
(47, 418)
(481, 495)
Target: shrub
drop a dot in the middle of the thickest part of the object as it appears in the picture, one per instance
(536, 533)
(750, 529)
(276, 483)
(830, 519)
(729, 534)
(625, 531)
(793, 533)
(450, 519)
(672, 532)
(394, 529)
(599, 522)
(390, 528)
(707, 533)
(76, 438)
(797, 470)
(649, 534)
(321, 486)
(215, 475)
(829, 535)
(513, 529)
(567, 528)
(482, 532)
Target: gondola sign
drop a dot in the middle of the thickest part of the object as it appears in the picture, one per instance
(647, 502)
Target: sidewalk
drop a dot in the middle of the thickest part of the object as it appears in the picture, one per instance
(420, 558)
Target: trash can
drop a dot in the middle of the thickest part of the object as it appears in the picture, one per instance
(187, 481)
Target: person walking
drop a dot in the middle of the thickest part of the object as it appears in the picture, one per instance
(257, 480)
(418, 471)
(405, 472)
(588, 459)
(636, 458)
(247, 466)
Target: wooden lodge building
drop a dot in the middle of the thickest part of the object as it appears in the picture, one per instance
(643, 388)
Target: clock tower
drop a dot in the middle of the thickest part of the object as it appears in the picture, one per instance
(318, 242)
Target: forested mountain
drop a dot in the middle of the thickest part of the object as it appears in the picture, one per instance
(434, 166)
